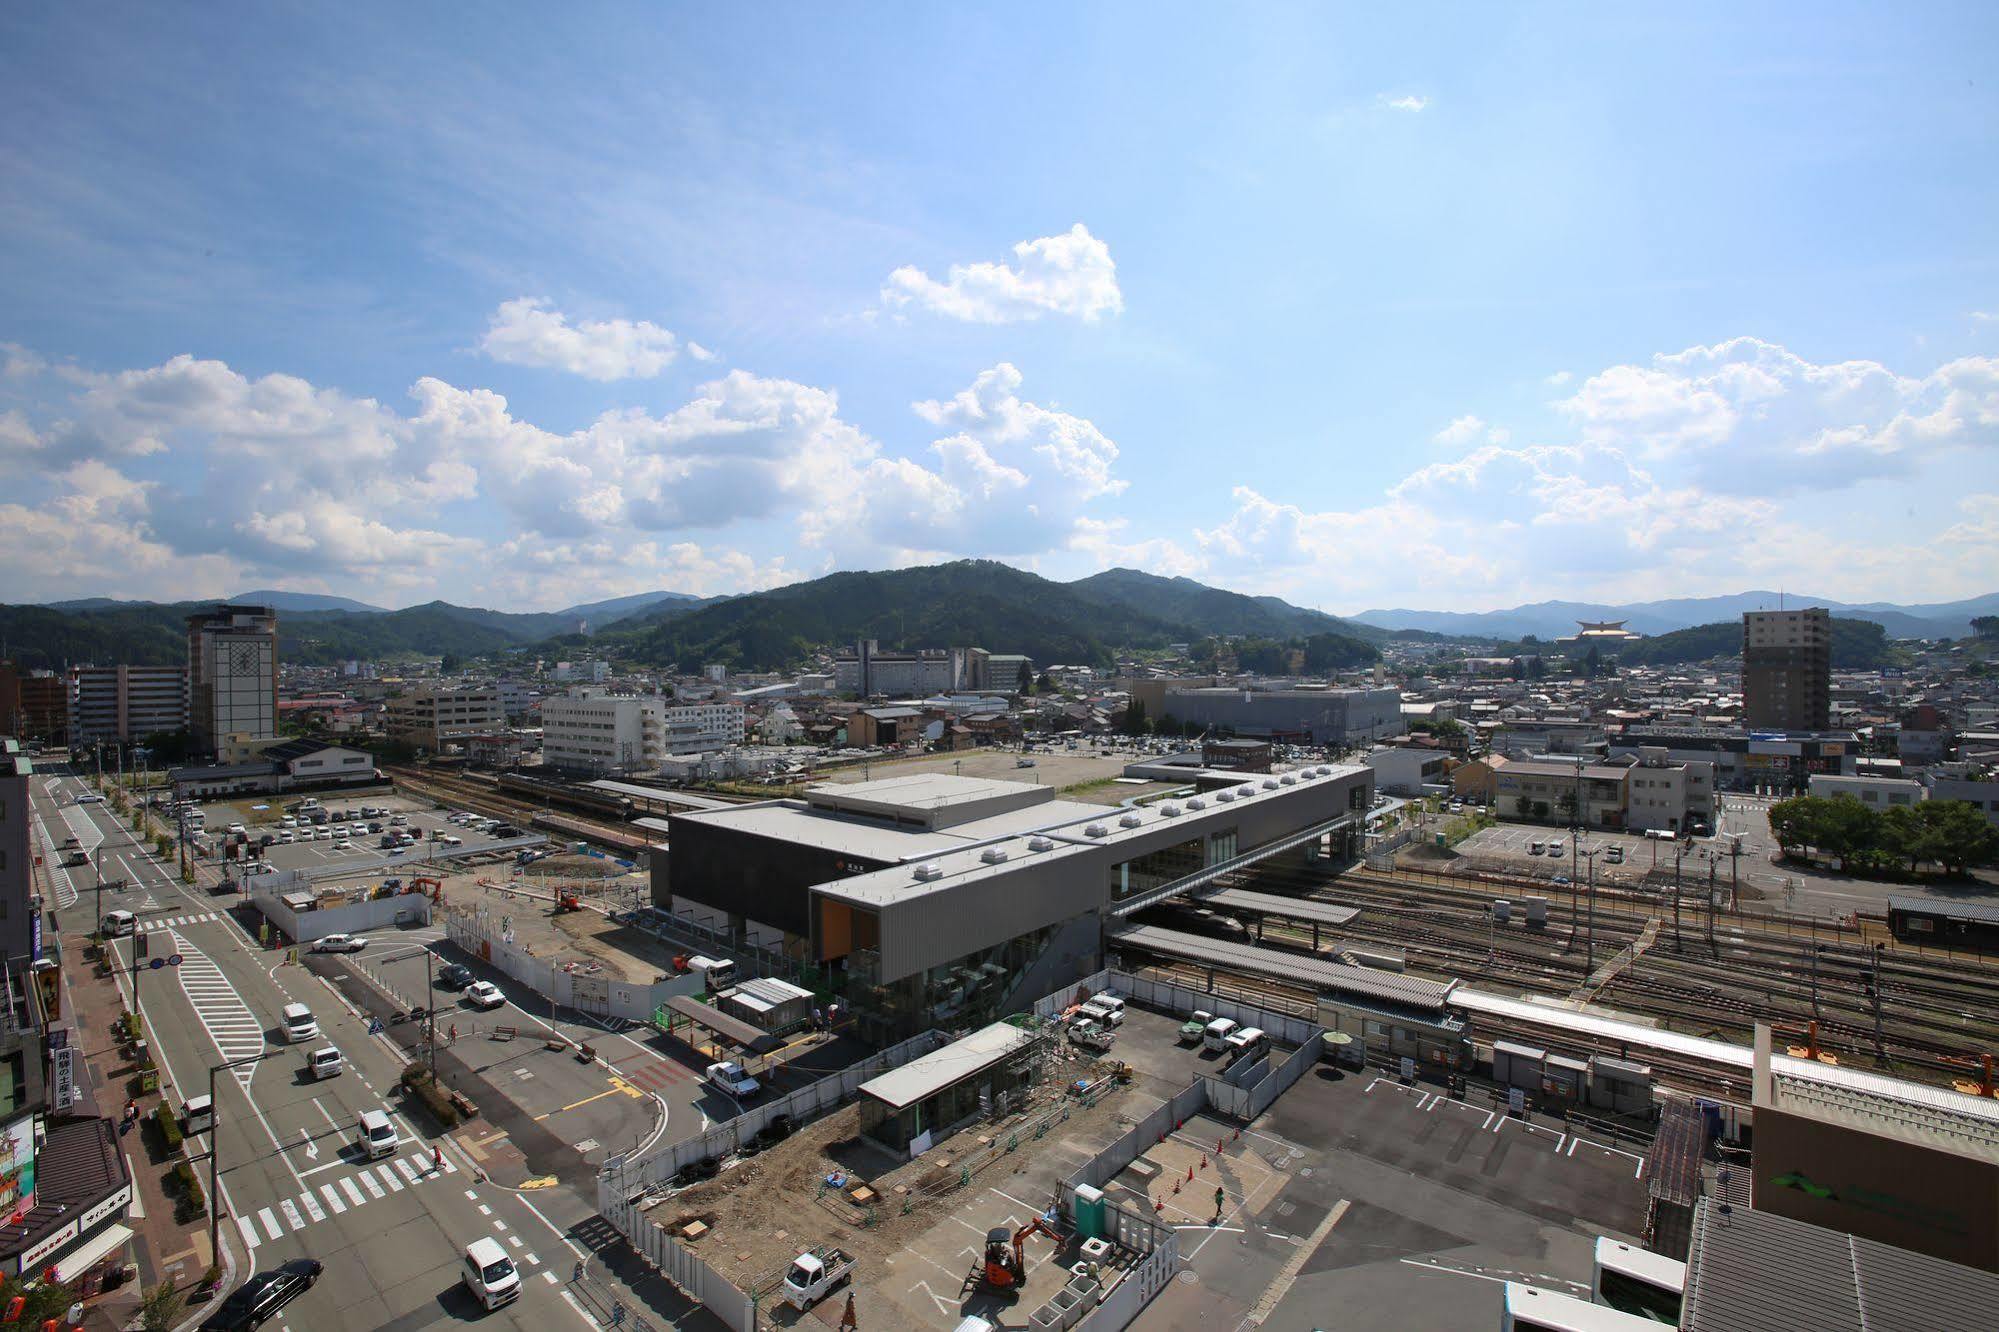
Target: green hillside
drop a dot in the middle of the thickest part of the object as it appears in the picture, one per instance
(1857, 645)
(1214, 609)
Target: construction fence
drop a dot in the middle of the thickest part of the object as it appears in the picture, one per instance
(305, 926)
(676, 1261)
(597, 996)
(803, 1105)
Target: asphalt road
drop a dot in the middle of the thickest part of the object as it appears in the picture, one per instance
(292, 1184)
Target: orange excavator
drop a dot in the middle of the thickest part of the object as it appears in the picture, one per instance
(1005, 1267)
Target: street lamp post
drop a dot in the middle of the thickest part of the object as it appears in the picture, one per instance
(215, 1147)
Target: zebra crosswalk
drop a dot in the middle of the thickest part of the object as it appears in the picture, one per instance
(357, 1188)
(169, 922)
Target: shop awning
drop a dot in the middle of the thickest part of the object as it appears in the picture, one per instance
(94, 1251)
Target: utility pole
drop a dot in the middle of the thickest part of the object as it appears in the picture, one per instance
(1874, 991)
(1710, 904)
(1816, 950)
(1679, 853)
(1589, 936)
(430, 1009)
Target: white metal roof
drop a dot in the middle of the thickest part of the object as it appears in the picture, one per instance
(1608, 1027)
(954, 1063)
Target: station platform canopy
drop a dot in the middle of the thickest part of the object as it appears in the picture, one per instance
(1388, 987)
(733, 1030)
(1269, 904)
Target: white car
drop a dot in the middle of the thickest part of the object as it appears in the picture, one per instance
(343, 845)
(339, 943)
(484, 994)
(322, 835)
(729, 1076)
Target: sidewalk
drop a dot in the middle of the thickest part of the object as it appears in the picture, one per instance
(164, 1249)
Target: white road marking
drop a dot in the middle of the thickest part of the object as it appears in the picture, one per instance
(271, 1223)
(347, 1184)
(235, 1031)
(333, 1198)
(389, 1178)
(409, 1171)
(292, 1218)
(249, 1231)
(374, 1189)
(312, 1207)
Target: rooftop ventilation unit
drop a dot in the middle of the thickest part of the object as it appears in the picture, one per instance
(1094, 830)
(1197, 803)
(1130, 821)
(1224, 796)
(993, 855)
(1040, 844)
(1288, 780)
(931, 870)
(1270, 783)
(1169, 811)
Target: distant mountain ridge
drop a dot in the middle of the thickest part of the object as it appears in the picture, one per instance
(1556, 619)
(969, 603)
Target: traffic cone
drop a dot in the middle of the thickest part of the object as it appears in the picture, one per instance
(1190, 1174)
(1204, 1160)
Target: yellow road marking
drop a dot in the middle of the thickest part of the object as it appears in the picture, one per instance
(616, 1088)
(545, 1182)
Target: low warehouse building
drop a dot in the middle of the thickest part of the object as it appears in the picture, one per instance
(769, 1004)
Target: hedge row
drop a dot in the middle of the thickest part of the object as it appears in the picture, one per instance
(169, 1126)
(193, 1201)
(434, 1097)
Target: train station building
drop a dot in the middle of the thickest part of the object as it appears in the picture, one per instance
(943, 901)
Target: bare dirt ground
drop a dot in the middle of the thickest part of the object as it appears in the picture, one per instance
(762, 1212)
(586, 936)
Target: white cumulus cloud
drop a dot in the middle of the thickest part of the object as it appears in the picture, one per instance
(528, 332)
(1410, 102)
(1068, 274)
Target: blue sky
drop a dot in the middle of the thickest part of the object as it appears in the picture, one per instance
(1445, 307)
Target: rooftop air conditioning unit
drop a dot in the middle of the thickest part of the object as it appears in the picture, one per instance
(1040, 844)
(929, 871)
(1270, 783)
(1169, 811)
(1130, 821)
(1225, 796)
(1094, 830)
(1288, 780)
(993, 855)
(1197, 803)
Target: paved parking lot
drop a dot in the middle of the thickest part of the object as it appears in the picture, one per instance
(1394, 1206)
(1509, 843)
(363, 848)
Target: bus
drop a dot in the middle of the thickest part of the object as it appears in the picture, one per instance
(1531, 1309)
(1638, 1281)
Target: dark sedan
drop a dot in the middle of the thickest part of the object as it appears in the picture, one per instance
(455, 977)
(263, 1295)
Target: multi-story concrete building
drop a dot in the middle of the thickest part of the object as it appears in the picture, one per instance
(1744, 760)
(1787, 669)
(434, 716)
(125, 704)
(1303, 715)
(232, 673)
(34, 704)
(17, 854)
(869, 672)
(582, 672)
(695, 728)
(588, 730)
(948, 900)
(1548, 789)
(1977, 787)
(1669, 793)
(1874, 792)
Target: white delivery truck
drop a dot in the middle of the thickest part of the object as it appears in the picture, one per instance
(814, 1274)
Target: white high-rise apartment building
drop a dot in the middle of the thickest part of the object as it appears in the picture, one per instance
(694, 728)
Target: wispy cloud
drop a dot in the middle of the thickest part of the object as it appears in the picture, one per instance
(1408, 102)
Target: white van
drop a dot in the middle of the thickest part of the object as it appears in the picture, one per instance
(1248, 1043)
(489, 1273)
(325, 1062)
(1216, 1037)
(117, 924)
(1105, 1009)
(299, 1023)
(377, 1136)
